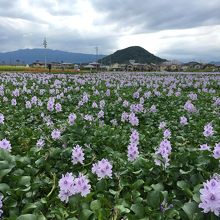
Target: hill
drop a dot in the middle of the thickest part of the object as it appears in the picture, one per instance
(136, 53)
(28, 56)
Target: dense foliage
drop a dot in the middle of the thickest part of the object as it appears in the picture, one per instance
(109, 146)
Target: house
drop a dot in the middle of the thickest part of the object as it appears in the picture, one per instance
(38, 64)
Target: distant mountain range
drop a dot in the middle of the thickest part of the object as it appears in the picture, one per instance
(215, 63)
(28, 56)
(139, 54)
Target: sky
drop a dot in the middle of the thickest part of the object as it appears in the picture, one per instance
(172, 29)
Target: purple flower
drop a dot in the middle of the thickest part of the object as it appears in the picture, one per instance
(208, 130)
(133, 119)
(56, 134)
(124, 116)
(167, 134)
(153, 108)
(81, 185)
(28, 104)
(183, 120)
(50, 105)
(1, 205)
(58, 107)
(162, 125)
(69, 185)
(134, 137)
(163, 151)
(102, 169)
(77, 155)
(189, 107)
(94, 105)
(5, 144)
(66, 184)
(40, 143)
(13, 102)
(204, 147)
(2, 118)
(71, 118)
(216, 151)
(101, 114)
(133, 152)
(210, 196)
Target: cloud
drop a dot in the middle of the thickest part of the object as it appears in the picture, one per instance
(177, 29)
(151, 16)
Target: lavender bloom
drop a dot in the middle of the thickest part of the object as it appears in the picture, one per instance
(189, 107)
(133, 119)
(210, 196)
(136, 95)
(208, 130)
(94, 105)
(162, 125)
(88, 118)
(132, 152)
(81, 185)
(1, 205)
(77, 155)
(164, 151)
(124, 116)
(66, 184)
(50, 105)
(204, 147)
(102, 104)
(71, 118)
(134, 137)
(125, 103)
(102, 169)
(2, 118)
(167, 134)
(40, 143)
(56, 134)
(28, 104)
(101, 114)
(5, 144)
(13, 102)
(114, 122)
(216, 151)
(108, 93)
(183, 120)
(153, 108)
(58, 107)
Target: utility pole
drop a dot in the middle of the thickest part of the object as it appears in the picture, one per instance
(45, 47)
(96, 50)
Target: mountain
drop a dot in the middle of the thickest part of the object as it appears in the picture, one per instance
(136, 53)
(215, 63)
(28, 56)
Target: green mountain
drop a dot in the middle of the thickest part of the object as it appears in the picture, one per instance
(139, 54)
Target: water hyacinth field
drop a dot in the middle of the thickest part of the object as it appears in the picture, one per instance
(109, 146)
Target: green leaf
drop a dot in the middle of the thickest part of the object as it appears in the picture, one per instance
(4, 187)
(158, 187)
(95, 205)
(86, 213)
(138, 209)
(24, 181)
(29, 207)
(27, 217)
(122, 209)
(138, 184)
(154, 199)
(190, 209)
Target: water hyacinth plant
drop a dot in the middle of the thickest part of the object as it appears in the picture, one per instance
(109, 146)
